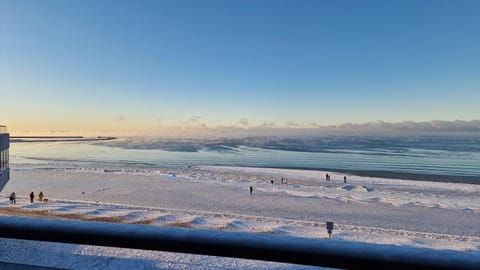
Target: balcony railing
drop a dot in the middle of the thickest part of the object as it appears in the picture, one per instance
(326, 253)
(4, 156)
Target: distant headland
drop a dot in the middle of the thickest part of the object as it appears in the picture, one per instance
(16, 139)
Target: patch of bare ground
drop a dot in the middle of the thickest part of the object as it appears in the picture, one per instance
(143, 221)
(15, 211)
(184, 224)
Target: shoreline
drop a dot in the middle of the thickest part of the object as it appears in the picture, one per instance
(456, 179)
(460, 179)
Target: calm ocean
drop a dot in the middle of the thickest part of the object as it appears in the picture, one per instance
(439, 158)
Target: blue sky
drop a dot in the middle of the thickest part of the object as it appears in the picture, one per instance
(165, 65)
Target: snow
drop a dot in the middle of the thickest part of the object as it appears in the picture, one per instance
(417, 214)
(357, 188)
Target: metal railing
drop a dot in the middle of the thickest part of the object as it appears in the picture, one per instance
(306, 251)
(4, 156)
(4, 177)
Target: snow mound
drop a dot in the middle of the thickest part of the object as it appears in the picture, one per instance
(166, 218)
(135, 216)
(238, 225)
(287, 230)
(357, 188)
(199, 221)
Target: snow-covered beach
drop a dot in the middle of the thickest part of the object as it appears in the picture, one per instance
(365, 209)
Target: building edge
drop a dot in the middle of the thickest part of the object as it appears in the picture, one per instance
(4, 157)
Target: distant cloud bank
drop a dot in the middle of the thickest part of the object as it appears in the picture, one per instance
(429, 126)
(195, 126)
(380, 126)
(244, 128)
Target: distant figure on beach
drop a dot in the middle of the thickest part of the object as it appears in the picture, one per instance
(32, 196)
(40, 196)
(285, 181)
(251, 190)
(13, 198)
(344, 179)
(271, 181)
(327, 177)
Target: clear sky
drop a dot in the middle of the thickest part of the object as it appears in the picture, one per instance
(162, 65)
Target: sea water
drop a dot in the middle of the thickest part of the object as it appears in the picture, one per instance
(427, 157)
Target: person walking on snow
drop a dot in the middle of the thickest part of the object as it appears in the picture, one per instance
(251, 190)
(32, 196)
(13, 198)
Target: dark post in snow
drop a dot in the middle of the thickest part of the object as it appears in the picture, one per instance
(329, 229)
